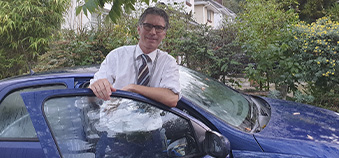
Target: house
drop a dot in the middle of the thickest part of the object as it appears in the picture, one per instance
(212, 12)
(208, 12)
(81, 21)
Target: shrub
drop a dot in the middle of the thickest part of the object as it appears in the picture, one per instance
(263, 28)
(26, 28)
(87, 47)
(317, 53)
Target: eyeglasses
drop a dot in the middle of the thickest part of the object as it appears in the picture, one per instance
(149, 27)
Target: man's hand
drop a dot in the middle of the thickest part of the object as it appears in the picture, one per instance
(102, 88)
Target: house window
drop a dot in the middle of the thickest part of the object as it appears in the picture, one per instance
(188, 3)
(209, 16)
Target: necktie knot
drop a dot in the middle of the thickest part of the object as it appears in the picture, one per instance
(145, 58)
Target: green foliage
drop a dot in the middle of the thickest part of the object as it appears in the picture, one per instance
(318, 45)
(25, 30)
(200, 47)
(328, 99)
(233, 5)
(263, 26)
(291, 54)
(211, 51)
(309, 10)
(9, 64)
(89, 46)
(178, 28)
(117, 9)
(317, 52)
(333, 12)
(303, 97)
(274, 94)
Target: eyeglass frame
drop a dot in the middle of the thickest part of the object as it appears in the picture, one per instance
(149, 27)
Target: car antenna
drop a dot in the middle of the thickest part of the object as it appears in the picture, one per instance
(31, 72)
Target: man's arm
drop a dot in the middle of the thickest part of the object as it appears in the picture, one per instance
(162, 95)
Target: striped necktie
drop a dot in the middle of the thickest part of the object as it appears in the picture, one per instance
(143, 75)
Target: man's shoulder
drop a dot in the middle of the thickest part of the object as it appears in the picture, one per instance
(165, 55)
(124, 48)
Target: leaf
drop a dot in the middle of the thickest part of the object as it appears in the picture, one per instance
(78, 10)
(113, 16)
(129, 6)
(91, 5)
(101, 3)
(115, 11)
(146, 1)
(84, 9)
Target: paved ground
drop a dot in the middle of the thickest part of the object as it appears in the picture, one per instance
(247, 87)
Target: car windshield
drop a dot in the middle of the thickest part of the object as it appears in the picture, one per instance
(216, 98)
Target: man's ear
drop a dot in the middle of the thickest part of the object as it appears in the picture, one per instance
(138, 28)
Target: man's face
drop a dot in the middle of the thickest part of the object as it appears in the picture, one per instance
(151, 38)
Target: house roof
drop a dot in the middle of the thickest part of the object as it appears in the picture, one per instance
(215, 6)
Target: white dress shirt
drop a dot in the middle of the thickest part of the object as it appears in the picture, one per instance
(121, 67)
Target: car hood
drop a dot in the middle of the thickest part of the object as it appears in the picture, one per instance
(291, 120)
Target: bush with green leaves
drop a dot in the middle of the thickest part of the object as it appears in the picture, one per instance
(317, 53)
(333, 12)
(26, 27)
(117, 10)
(264, 36)
(213, 51)
(319, 44)
(87, 47)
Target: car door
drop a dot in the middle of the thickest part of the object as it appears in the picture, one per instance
(74, 123)
(18, 138)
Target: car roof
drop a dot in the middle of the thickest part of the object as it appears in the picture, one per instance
(83, 71)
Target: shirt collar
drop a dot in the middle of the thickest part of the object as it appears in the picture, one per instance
(152, 55)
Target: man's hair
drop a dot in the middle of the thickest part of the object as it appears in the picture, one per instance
(154, 11)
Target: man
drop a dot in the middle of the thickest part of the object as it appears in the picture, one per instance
(123, 67)
(143, 69)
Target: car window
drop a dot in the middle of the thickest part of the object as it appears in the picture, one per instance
(15, 121)
(85, 126)
(216, 98)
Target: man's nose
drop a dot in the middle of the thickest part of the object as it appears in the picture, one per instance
(153, 31)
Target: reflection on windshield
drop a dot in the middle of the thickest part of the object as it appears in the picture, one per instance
(214, 97)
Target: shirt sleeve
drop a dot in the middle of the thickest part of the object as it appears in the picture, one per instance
(170, 77)
(107, 69)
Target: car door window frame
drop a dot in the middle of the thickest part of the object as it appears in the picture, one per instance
(11, 89)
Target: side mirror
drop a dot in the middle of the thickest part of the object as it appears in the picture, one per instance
(216, 145)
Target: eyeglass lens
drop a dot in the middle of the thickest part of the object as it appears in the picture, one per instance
(148, 27)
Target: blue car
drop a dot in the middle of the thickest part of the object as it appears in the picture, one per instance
(55, 115)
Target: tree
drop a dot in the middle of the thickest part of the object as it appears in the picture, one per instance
(25, 30)
(118, 7)
(234, 5)
(309, 10)
(333, 12)
(263, 28)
